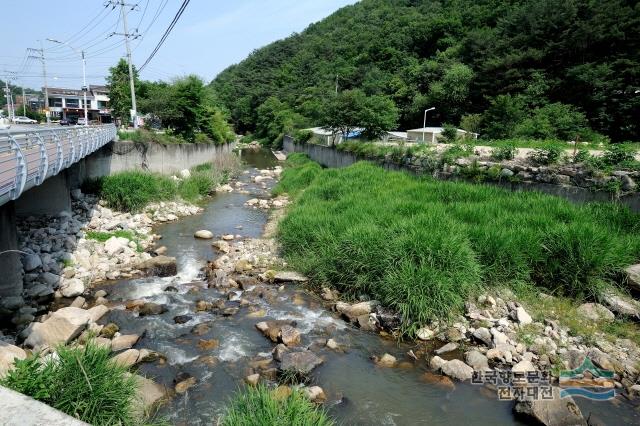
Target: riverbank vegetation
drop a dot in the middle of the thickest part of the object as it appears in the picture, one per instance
(131, 191)
(423, 247)
(254, 406)
(484, 66)
(184, 108)
(82, 382)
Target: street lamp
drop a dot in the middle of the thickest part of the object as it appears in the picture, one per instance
(84, 75)
(424, 123)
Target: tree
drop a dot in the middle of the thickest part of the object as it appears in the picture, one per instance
(503, 115)
(120, 90)
(351, 109)
(553, 121)
(275, 119)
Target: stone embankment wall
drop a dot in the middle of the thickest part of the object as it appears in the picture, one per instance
(167, 159)
(565, 181)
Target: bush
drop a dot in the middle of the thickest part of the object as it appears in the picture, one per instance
(501, 153)
(616, 154)
(546, 156)
(199, 184)
(132, 191)
(82, 382)
(257, 406)
(423, 247)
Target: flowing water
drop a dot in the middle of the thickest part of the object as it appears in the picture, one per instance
(357, 391)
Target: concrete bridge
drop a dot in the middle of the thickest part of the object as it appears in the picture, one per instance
(35, 169)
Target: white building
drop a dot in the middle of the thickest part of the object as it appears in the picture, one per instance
(432, 134)
(69, 104)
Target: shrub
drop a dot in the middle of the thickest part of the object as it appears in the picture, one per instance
(199, 184)
(616, 154)
(302, 136)
(257, 406)
(82, 382)
(501, 153)
(546, 156)
(131, 191)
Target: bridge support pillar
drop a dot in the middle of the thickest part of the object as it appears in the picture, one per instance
(50, 198)
(10, 264)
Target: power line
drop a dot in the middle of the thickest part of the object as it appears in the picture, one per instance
(166, 33)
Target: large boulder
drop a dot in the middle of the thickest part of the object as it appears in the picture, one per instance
(289, 276)
(150, 308)
(61, 327)
(8, 354)
(621, 305)
(458, 370)
(477, 360)
(300, 362)
(352, 312)
(72, 287)
(148, 394)
(160, 266)
(31, 262)
(115, 245)
(550, 412)
(595, 312)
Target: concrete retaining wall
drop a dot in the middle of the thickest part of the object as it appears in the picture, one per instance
(19, 409)
(166, 159)
(330, 157)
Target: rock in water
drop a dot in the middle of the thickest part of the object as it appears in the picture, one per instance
(458, 370)
(300, 362)
(203, 234)
(150, 308)
(72, 287)
(550, 412)
(289, 276)
(148, 393)
(160, 266)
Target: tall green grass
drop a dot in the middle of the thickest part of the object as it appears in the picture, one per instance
(82, 382)
(423, 246)
(257, 407)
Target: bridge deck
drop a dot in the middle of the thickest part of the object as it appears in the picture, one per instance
(29, 156)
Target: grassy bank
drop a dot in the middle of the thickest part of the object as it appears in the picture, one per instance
(258, 406)
(423, 247)
(131, 191)
(82, 382)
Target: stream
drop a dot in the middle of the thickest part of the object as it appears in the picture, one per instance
(357, 391)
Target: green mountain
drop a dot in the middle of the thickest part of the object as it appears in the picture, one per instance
(522, 66)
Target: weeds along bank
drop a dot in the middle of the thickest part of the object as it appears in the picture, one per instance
(424, 247)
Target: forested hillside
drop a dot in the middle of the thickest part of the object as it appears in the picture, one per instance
(506, 68)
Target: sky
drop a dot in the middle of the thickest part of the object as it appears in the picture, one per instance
(210, 36)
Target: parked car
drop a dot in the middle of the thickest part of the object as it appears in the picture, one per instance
(4, 124)
(65, 122)
(21, 119)
(81, 121)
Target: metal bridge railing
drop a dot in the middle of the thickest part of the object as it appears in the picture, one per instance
(28, 157)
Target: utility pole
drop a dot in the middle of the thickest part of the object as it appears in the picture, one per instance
(44, 77)
(7, 93)
(85, 88)
(336, 84)
(24, 103)
(123, 5)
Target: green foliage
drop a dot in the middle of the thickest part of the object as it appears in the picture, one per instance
(82, 382)
(258, 407)
(120, 91)
(144, 136)
(552, 121)
(502, 153)
(423, 247)
(471, 123)
(545, 156)
(351, 109)
(275, 119)
(133, 190)
(616, 154)
(303, 136)
(449, 133)
(199, 184)
(463, 57)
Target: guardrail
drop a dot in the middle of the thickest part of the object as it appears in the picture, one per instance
(28, 157)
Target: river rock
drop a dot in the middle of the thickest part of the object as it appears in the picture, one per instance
(148, 394)
(279, 350)
(50, 279)
(436, 363)
(332, 344)
(150, 308)
(300, 362)
(289, 335)
(72, 287)
(523, 366)
(438, 380)
(633, 277)
(127, 358)
(522, 316)
(207, 345)
(457, 369)
(100, 293)
(477, 360)
(115, 245)
(595, 312)
(109, 330)
(97, 312)
(61, 327)
(125, 341)
(252, 379)
(222, 246)
(184, 385)
(203, 234)
(160, 266)
(352, 312)
(484, 335)
(550, 412)
(447, 348)
(78, 302)
(621, 305)
(8, 354)
(200, 329)
(289, 276)
(242, 265)
(181, 319)
(315, 394)
(386, 360)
